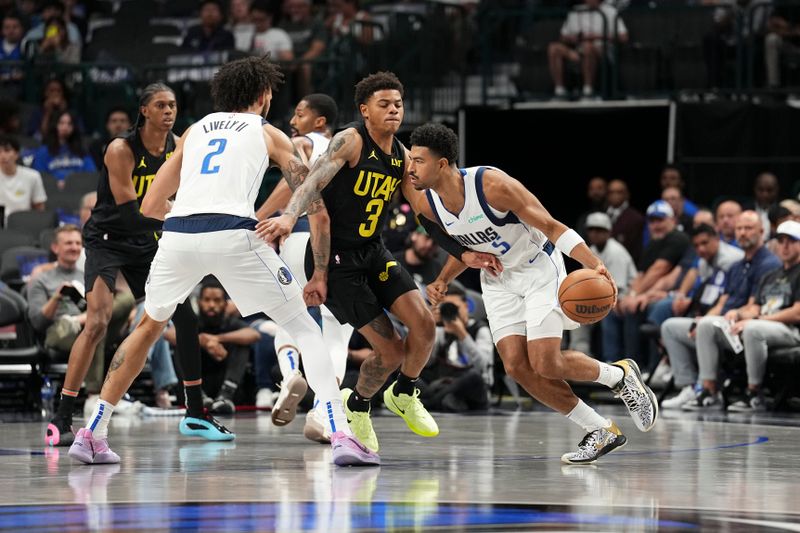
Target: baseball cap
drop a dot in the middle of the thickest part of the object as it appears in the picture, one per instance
(598, 220)
(790, 228)
(660, 209)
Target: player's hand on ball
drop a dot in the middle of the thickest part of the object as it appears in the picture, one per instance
(488, 262)
(316, 291)
(276, 228)
(436, 291)
(603, 271)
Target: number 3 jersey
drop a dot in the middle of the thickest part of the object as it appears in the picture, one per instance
(482, 228)
(224, 160)
(357, 197)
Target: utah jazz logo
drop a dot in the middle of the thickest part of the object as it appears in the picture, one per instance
(384, 276)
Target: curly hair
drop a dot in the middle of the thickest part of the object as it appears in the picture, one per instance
(376, 82)
(437, 138)
(238, 84)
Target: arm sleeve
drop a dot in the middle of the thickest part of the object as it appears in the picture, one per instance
(133, 219)
(445, 241)
(37, 297)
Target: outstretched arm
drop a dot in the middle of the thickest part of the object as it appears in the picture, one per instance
(345, 147)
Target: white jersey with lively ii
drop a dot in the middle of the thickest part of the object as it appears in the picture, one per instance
(224, 160)
(482, 228)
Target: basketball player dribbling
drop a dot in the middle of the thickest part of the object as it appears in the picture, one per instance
(119, 239)
(214, 175)
(312, 126)
(485, 209)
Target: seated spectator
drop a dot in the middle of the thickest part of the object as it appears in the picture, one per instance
(341, 16)
(210, 35)
(770, 318)
(118, 121)
(596, 192)
(55, 45)
(732, 23)
(50, 9)
(63, 152)
(703, 216)
(619, 264)
(162, 369)
(55, 300)
(671, 176)
(54, 100)
(766, 190)
(674, 197)
(267, 39)
(240, 25)
(666, 247)
(459, 373)
(692, 343)
(420, 257)
(626, 221)
(9, 118)
(777, 215)
(225, 343)
(725, 218)
(586, 35)
(309, 40)
(21, 188)
(11, 47)
(782, 41)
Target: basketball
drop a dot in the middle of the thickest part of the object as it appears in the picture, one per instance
(586, 296)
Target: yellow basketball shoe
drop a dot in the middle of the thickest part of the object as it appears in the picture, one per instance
(360, 424)
(410, 409)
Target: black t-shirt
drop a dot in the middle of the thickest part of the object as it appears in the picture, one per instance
(778, 290)
(357, 198)
(671, 248)
(228, 324)
(423, 273)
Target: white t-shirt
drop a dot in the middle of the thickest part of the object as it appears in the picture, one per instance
(618, 262)
(583, 22)
(274, 41)
(20, 191)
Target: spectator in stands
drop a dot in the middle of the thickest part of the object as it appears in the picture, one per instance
(765, 193)
(420, 257)
(703, 216)
(225, 343)
(626, 222)
(683, 337)
(88, 201)
(240, 25)
(54, 100)
(55, 46)
(732, 22)
(674, 197)
(50, 10)
(162, 368)
(770, 318)
(63, 152)
(341, 16)
(665, 249)
(725, 217)
(309, 40)
(782, 40)
(619, 264)
(587, 34)
(777, 216)
(671, 176)
(75, 12)
(267, 38)
(53, 304)
(11, 46)
(596, 192)
(210, 35)
(459, 373)
(118, 121)
(9, 117)
(21, 188)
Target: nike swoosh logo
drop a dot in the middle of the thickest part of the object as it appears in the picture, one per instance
(531, 260)
(449, 223)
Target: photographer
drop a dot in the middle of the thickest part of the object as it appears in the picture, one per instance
(459, 373)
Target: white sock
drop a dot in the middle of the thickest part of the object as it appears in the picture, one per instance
(587, 418)
(610, 375)
(288, 354)
(100, 418)
(332, 412)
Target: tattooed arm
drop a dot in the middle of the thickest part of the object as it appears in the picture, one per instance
(345, 148)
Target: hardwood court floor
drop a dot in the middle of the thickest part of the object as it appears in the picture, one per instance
(497, 472)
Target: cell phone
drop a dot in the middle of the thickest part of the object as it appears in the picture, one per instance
(52, 31)
(72, 293)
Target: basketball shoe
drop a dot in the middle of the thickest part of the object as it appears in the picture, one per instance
(59, 432)
(360, 423)
(207, 427)
(90, 450)
(293, 390)
(639, 399)
(315, 428)
(596, 444)
(410, 409)
(348, 451)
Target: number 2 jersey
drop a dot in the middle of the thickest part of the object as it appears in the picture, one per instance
(357, 197)
(224, 159)
(482, 228)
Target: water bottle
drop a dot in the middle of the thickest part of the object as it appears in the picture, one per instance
(47, 395)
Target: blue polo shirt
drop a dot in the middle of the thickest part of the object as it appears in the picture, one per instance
(744, 277)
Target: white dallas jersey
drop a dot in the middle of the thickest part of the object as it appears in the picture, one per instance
(482, 228)
(224, 160)
(320, 145)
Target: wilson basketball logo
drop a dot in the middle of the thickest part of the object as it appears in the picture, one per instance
(591, 309)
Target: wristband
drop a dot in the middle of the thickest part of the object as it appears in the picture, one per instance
(568, 240)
